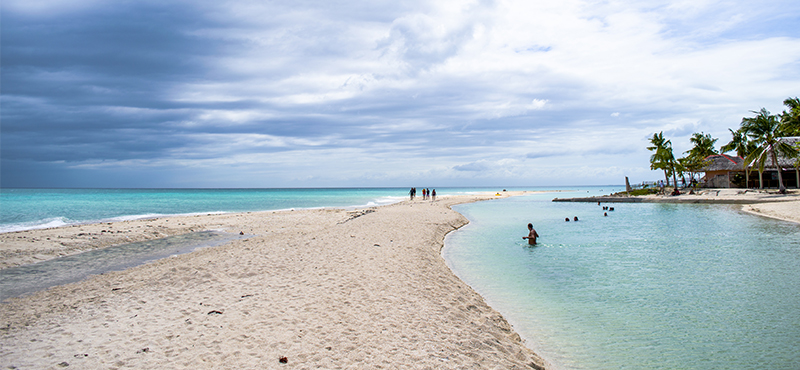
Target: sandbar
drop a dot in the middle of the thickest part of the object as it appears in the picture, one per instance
(326, 288)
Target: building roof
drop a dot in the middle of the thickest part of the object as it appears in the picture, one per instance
(724, 162)
(784, 161)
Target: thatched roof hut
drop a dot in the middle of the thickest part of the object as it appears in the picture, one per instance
(723, 163)
(720, 169)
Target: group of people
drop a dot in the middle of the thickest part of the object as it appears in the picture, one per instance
(426, 194)
(533, 235)
(606, 208)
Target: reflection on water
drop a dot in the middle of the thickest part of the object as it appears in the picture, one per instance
(650, 286)
(26, 279)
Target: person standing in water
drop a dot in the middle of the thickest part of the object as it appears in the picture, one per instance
(532, 235)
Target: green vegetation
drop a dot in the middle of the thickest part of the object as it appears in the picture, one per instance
(764, 131)
(756, 140)
(637, 192)
(662, 159)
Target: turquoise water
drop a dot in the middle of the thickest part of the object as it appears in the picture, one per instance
(651, 286)
(23, 209)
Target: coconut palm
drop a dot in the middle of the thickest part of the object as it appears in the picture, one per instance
(791, 118)
(743, 147)
(765, 130)
(703, 146)
(696, 158)
(662, 158)
(691, 164)
(791, 121)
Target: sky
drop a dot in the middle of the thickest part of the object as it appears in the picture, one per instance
(258, 94)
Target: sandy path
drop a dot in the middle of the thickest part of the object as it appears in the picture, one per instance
(322, 288)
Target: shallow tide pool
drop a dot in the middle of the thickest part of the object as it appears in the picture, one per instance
(650, 286)
(26, 279)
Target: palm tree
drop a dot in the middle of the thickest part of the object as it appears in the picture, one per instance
(691, 164)
(764, 130)
(696, 158)
(791, 121)
(662, 158)
(791, 118)
(703, 146)
(743, 147)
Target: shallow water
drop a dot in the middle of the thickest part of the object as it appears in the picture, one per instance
(17, 281)
(651, 286)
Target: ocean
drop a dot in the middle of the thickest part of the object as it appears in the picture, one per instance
(650, 286)
(25, 209)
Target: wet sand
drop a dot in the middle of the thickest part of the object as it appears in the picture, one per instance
(311, 289)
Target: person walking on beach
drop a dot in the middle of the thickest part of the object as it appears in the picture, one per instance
(433, 195)
(412, 193)
(532, 235)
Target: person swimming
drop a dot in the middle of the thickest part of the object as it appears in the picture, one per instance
(532, 235)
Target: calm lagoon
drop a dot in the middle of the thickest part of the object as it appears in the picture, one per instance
(650, 286)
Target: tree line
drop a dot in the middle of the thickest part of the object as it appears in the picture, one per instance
(756, 140)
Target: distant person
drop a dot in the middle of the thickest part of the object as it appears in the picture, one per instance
(424, 193)
(605, 214)
(412, 192)
(576, 218)
(532, 235)
(566, 219)
(433, 195)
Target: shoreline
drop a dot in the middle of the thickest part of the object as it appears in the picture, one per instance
(759, 203)
(323, 288)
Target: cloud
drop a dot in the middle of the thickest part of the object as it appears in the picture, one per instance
(316, 93)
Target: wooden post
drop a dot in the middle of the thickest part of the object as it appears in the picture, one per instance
(627, 186)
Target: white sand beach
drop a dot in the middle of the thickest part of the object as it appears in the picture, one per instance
(311, 289)
(317, 288)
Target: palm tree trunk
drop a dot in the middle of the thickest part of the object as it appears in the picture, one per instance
(675, 180)
(746, 178)
(760, 184)
(782, 189)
